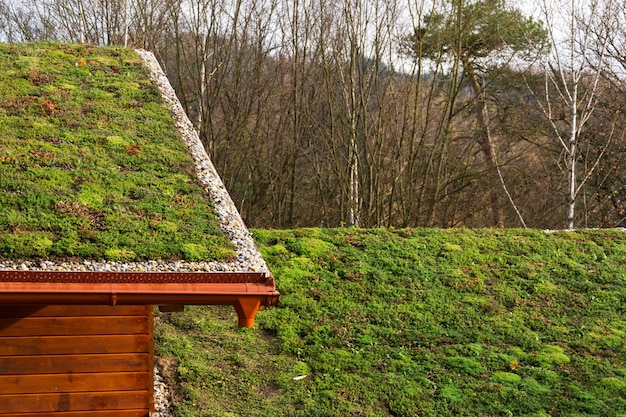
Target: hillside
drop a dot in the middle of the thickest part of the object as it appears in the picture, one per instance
(415, 322)
(91, 164)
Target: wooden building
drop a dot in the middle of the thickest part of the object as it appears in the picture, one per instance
(81, 343)
(76, 360)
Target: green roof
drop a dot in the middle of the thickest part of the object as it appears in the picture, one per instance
(91, 164)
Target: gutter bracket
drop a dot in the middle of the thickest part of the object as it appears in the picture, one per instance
(246, 308)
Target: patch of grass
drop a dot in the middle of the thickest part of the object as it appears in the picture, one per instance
(91, 164)
(416, 322)
(222, 370)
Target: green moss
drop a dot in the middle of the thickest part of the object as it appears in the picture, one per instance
(27, 244)
(194, 252)
(117, 141)
(74, 128)
(92, 195)
(115, 254)
(506, 378)
(615, 387)
(301, 369)
(534, 388)
(380, 330)
(312, 247)
(452, 394)
(41, 245)
(164, 226)
(549, 356)
(464, 365)
(452, 247)
(546, 288)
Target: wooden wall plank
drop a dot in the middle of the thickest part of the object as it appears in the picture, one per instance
(64, 345)
(89, 361)
(75, 382)
(115, 413)
(80, 401)
(54, 364)
(64, 326)
(9, 311)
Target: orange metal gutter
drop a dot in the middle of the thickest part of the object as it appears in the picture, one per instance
(246, 291)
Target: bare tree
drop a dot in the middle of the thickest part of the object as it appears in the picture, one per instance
(26, 22)
(572, 78)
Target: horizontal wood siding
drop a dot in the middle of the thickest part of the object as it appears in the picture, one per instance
(87, 361)
(40, 384)
(114, 413)
(13, 311)
(57, 345)
(62, 326)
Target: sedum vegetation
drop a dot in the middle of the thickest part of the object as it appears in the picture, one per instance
(415, 322)
(91, 165)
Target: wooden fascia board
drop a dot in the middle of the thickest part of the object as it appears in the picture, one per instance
(37, 288)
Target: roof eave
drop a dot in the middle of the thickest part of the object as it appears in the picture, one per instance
(35, 287)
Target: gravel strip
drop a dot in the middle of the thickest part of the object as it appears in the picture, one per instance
(122, 266)
(230, 220)
(162, 397)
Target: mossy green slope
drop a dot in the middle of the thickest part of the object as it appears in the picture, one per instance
(91, 165)
(417, 323)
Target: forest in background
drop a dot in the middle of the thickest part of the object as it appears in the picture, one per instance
(442, 113)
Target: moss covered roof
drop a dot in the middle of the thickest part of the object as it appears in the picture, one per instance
(91, 164)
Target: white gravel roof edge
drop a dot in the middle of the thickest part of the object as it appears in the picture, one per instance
(231, 222)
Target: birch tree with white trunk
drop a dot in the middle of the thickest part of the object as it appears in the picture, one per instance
(573, 70)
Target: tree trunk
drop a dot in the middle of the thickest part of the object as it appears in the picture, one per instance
(571, 161)
(487, 146)
(82, 29)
